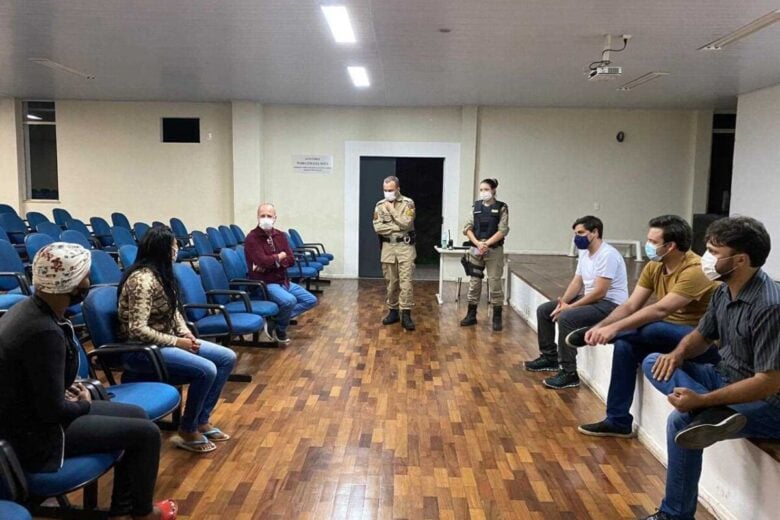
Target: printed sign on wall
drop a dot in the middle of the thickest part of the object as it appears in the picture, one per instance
(312, 163)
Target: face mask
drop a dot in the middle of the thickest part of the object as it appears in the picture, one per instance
(265, 223)
(390, 196)
(709, 263)
(80, 295)
(581, 241)
(652, 252)
(485, 195)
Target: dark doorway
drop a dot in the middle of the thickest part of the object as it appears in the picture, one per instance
(422, 180)
(721, 162)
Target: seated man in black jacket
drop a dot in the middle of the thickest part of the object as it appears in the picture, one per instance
(46, 414)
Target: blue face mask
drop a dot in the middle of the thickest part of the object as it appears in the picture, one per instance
(652, 252)
(581, 241)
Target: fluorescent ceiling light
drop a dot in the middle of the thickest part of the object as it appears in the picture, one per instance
(59, 66)
(746, 30)
(641, 80)
(34, 117)
(338, 20)
(359, 76)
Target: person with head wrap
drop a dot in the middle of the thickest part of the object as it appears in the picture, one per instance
(47, 414)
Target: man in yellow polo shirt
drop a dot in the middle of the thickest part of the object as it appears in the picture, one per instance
(682, 293)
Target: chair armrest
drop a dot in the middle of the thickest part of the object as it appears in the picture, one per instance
(152, 352)
(243, 282)
(96, 389)
(213, 307)
(21, 279)
(319, 246)
(225, 292)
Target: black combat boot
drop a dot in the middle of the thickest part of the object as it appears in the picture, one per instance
(406, 319)
(392, 317)
(471, 316)
(497, 323)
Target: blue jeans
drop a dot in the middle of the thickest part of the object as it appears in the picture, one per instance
(631, 347)
(206, 372)
(292, 301)
(684, 469)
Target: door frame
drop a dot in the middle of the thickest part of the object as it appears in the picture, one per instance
(354, 150)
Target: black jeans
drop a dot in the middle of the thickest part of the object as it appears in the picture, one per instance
(568, 321)
(111, 427)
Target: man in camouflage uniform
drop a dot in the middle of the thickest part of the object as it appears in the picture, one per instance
(394, 223)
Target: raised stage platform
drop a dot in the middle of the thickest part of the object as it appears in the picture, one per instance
(739, 476)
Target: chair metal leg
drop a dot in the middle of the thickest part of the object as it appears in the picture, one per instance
(457, 297)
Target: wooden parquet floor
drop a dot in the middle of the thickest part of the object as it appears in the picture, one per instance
(354, 420)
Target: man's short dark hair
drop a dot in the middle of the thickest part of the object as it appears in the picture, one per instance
(675, 229)
(743, 235)
(590, 223)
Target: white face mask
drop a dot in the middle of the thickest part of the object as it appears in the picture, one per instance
(485, 195)
(265, 223)
(708, 263)
(390, 196)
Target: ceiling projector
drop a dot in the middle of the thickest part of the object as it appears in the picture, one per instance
(603, 73)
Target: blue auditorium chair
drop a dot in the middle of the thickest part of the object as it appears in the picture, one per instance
(227, 235)
(14, 227)
(150, 391)
(122, 236)
(20, 249)
(76, 473)
(5, 208)
(34, 218)
(119, 219)
(102, 232)
(127, 255)
(140, 229)
(104, 270)
(295, 235)
(49, 228)
(215, 237)
(222, 324)
(76, 237)
(202, 243)
(34, 242)
(61, 216)
(231, 294)
(238, 233)
(75, 224)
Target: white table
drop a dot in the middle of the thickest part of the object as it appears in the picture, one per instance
(450, 270)
(633, 243)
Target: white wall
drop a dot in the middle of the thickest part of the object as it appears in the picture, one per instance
(554, 165)
(9, 171)
(313, 203)
(111, 157)
(755, 182)
(551, 163)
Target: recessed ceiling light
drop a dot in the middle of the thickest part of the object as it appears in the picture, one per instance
(746, 30)
(59, 66)
(359, 76)
(641, 80)
(338, 20)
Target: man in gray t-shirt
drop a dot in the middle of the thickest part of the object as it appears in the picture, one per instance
(740, 397)
(598, 286)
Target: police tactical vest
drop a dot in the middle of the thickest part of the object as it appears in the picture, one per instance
(486, 219)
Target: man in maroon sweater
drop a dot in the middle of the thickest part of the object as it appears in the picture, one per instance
(268, 255)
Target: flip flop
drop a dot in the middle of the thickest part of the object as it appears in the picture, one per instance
(168, 509)
(194, 446)
(216, 435)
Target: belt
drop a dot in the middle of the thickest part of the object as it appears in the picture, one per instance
(406, 239)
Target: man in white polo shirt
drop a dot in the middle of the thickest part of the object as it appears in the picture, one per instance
(598, 286)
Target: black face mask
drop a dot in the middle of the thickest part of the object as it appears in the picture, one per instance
(79, 296)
